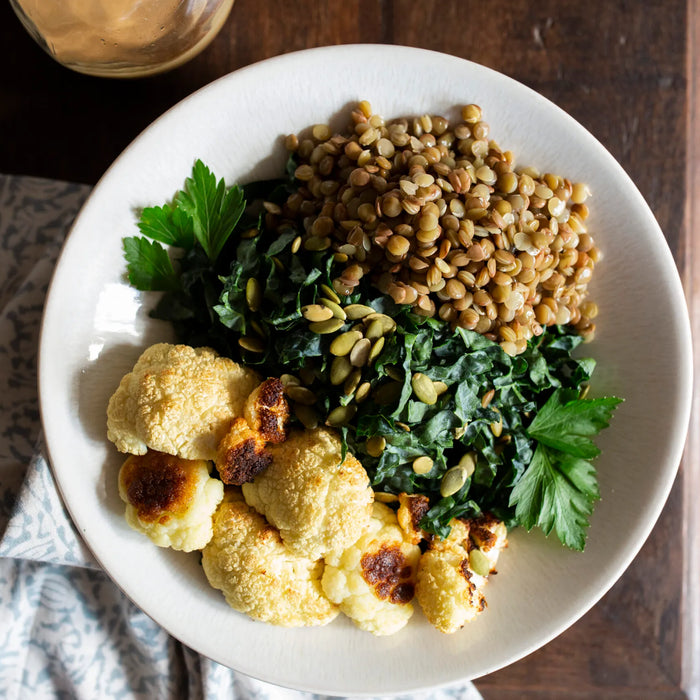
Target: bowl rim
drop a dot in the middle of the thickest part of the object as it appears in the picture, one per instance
(683, 326)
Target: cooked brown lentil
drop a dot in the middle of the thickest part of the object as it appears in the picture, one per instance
(439, 217)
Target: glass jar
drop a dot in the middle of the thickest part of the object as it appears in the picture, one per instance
(122, 38)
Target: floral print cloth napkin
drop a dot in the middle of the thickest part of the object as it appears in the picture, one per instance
(66, 631)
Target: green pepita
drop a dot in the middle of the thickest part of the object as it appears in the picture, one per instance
(375, 445)
(307, 375)
(383, 497)
(330, 293)
(308, 416)
(329, 326)
(376, 350)
(301, 394)
(340, 370)
(334, 307)
(357, 311)
(394, 373)
(343, 344)
(440, 387)
(422, 465)
(352, 382)
(258, 328)
(452, 481)
(315, 313)
(253, 294)
(423, 388)
(317, 243)
(468, 463)
(374, 330)
(341, 415)
(362, 392)
(386, 323)
(251, 344)
(360, 352)
(290, 380)
(479, 563)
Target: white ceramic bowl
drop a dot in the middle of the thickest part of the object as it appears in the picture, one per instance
(95, 327)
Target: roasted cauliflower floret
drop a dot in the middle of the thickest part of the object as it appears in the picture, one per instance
(241, 454)
(267, 410)
(179, 400)
(412, 508)
(318, 502)
(453, 572)
(258, 575)
(170, 499)
(373, 580)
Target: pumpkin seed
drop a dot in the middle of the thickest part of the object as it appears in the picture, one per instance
(308, 416)
(386, 323)
(341, 415)
(343, 344)
(290, 379)
(376, 350)
(317, 243)
(253, 294)
(385, 497)
(329, 326)
(422, 465)
(375, 445)
(301, 394)
(316, 313)
(468, 463)
(362, 392)
(440, 387)
(452, 481)
(423, 388)
(479, 562)
(375, 330)
(360, 352)
(330, 293)
(258, 328)
(357, 311)
(340, 370)
(251, 344)
(352, 382)
(394, 373)
(334, 307)
(307, 375)
(296, 244)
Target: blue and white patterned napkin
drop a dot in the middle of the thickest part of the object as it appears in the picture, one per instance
(66, 631)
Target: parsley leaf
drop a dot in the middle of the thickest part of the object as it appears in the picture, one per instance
(559, 487)
(149, 267)
(567, 423)
(214, 210)
(169, 225)
(556, 492)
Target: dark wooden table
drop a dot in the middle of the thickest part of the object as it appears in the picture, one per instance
(625, 70)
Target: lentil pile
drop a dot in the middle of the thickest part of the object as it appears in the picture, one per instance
(441, 219)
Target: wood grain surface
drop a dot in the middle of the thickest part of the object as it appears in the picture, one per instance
(628, 71)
